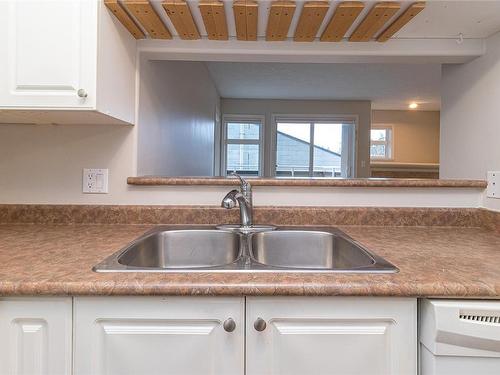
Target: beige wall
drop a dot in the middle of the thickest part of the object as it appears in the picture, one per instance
(43, 164)
(416, 134)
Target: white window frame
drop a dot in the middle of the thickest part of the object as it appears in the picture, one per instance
(225, 141)
(315, 118)
(389, 142)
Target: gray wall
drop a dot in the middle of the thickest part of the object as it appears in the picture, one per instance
(177, 107)
(268, 108)
(470, 117)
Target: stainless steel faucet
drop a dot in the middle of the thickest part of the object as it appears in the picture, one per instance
(242, 197)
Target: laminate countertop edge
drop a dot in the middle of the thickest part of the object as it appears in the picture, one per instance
(308, 182)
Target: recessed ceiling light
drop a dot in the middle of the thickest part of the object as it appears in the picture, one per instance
(413, 105)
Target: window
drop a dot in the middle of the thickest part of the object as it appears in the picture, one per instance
(242, 146)
(313, 148)
(300, 146)
(381, 143)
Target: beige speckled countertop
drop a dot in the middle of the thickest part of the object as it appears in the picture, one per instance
(433, 261)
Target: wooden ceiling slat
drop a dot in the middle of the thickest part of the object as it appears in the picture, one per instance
(401, 21)
(378, 16)
(219, 15)
(240, 21)
(280, 18)
(116, 8)
(344, 16)
(148, 18)
(214, 18)
(208, 20)
(245, 17)
(179, 13)
(252, 19)
(311, 17)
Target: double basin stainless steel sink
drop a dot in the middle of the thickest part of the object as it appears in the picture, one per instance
(207, 249)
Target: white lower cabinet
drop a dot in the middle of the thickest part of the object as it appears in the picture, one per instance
(208, 335)
(155, 335)
(338, 335)
(35, 336)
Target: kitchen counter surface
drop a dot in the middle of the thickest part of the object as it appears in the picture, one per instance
(41, 259)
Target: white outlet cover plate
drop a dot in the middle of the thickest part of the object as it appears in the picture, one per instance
(493, 189)
(95, 181)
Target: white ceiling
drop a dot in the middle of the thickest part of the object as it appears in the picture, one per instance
(440, 19)
(388, 86)
(448, 19)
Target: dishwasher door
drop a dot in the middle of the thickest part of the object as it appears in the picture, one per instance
(459, 337)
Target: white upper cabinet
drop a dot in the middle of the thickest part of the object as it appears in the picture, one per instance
(154, 335)
(344, 336)
(65, 55)
(48, 54)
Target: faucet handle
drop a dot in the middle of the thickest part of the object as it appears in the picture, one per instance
(244, 183)
(229, 201)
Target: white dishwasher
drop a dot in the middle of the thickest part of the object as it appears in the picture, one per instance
(459, 337)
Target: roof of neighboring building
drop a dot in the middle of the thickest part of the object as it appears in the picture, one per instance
(308, 143)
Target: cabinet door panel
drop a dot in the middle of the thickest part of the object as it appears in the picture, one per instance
(175, 335)
(344, 336)
(35, 336)
(48, 53)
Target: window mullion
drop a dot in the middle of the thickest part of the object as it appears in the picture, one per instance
(311, 149)
(243, 141)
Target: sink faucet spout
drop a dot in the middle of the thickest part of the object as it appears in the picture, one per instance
(243, 198)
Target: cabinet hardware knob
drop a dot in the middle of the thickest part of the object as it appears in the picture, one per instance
(229, 325)
(260, 324)
(82, 93)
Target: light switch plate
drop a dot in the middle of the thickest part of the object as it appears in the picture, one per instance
(95, 181)
(493, 189)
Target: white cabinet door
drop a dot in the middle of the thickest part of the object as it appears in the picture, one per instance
(337, 335)
(155, 335)
(35, 336)
(48, 52)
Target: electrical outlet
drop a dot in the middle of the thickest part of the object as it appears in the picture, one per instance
(95, 181)
(493, 189)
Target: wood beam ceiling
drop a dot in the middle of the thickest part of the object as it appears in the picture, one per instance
(246, 14)
(344, 16)
(280, 18)
(401, 21)
(148, 18)
(122, 16)
(214, 19)
(179, 13)
(311, 17)
(140, 18)
(378, 16)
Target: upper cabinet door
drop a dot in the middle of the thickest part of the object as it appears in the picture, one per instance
(338, 335)
(153, 335)
(48, 52)
(35, 336)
